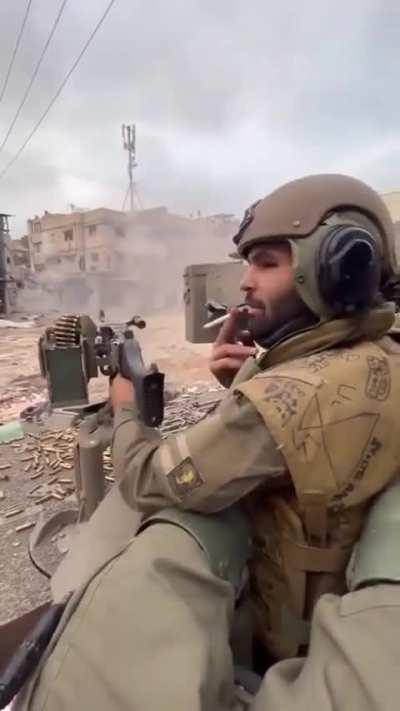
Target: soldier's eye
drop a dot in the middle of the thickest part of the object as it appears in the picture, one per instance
(267, 263)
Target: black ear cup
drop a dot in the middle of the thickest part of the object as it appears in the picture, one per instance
(349, 268)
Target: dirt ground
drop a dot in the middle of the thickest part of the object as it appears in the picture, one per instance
(22, 587)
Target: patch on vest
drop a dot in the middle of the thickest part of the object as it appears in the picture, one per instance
(378, 380)
(285, 394)
(185, 478)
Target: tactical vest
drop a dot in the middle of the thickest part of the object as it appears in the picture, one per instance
(334, 416)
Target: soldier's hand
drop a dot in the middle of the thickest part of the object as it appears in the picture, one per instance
(121, 392)
(228, 352)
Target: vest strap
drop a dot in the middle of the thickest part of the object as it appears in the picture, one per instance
(315, 507)
(314, 560)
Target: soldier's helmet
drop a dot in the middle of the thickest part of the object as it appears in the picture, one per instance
(342, 238)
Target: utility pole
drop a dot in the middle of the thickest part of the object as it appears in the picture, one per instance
(129, 143)
(4, 230)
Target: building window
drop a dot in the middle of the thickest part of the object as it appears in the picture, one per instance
(119, 231)
(92, 229)
(37, 226)
(37, 246)
(68, 235)
(94, 257)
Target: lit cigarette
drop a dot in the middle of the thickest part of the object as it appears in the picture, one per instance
(222, 319)
(216, 321)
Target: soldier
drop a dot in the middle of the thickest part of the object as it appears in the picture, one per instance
(321, 366)
(308, 431)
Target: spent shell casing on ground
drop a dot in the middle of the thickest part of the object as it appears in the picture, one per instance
(36, 475)
(24, 526)
(43, 499)
(13, 512)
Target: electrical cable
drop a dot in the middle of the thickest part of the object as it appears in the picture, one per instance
(59, 90)
(35, 73)
(14, 54)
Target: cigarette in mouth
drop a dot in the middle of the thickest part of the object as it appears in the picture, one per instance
(216, 321)
(222, 319)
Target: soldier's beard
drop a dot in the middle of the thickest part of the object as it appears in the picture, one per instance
(265, 321)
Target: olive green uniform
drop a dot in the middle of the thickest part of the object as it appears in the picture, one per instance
(224, 457)
(207, 468)
(114, 651)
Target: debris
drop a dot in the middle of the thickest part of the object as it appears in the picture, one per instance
(43, 499)
(24, 526)
(35, 488)
(37, 475)
(13, 512)
(5, 466)
(11, 432)
(16, 324)
(57, 496)
(2, 495)
(4, 477)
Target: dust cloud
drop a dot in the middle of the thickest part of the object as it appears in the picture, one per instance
(146, 263)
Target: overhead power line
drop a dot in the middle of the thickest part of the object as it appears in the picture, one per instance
(59, 90)
(35, 73)
(14, 54)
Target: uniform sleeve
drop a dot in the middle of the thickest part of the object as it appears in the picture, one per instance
(206, 468)
(353, 660)
(151, 632)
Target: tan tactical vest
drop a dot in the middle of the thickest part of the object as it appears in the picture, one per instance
(335, 417)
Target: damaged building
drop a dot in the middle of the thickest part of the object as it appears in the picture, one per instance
(75, 255)
(106, 258)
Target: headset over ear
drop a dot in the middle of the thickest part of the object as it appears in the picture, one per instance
(348, 268)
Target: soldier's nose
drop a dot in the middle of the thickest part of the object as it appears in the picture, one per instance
(247, 282)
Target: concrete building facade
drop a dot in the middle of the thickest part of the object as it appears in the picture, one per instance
(85, 241)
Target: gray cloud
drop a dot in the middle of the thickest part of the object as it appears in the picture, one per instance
(229, 99)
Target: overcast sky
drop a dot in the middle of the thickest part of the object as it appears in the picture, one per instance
(230, 99)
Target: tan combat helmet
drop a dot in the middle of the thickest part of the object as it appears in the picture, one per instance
(308, 213)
